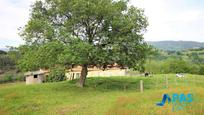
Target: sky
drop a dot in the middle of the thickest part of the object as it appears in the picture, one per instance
(168, 20)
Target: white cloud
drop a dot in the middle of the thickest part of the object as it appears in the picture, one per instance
(168, 19)
(13, 14)
(173, 19)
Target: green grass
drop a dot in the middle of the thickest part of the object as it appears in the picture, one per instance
(107, 95)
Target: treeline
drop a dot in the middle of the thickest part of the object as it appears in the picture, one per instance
(164, 62)
(8, 67)
(174, 66)
(177, 45)
(11, 76)
(6, 62)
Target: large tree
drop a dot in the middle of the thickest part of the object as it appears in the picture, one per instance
(93, 32)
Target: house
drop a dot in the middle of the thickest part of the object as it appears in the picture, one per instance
(40, 76)
(96, 72)
(36, 77)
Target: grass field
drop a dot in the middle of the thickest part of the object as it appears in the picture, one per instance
(101, 96)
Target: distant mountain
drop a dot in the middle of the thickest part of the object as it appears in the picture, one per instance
(4, 49)
(176, 45)
(2, 52)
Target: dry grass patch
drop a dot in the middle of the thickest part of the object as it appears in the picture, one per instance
(3, 112)
(68, 109)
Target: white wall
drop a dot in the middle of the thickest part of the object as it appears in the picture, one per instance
(32, 80)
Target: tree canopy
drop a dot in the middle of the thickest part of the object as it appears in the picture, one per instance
(84, 32)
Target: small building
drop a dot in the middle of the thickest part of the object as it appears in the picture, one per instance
(36, 77)
(96, 72)
(40, 76)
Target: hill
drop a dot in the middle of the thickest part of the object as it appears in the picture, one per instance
(176, 45)
(4, 49)
(2, 52)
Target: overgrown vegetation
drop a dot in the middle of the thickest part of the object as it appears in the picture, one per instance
(188, 61)
(8, 69)
(6, 62)
(11, 76)
(56, 74)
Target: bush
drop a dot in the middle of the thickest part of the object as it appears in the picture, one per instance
(201, 72)
(171, 65)
(177, 66)
(12, 77)
(56, 74)
(194, 68)
(154, 66)
(7, 78)
(20, 77)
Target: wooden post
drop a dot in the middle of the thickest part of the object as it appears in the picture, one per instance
(166, 79)
(141, 86)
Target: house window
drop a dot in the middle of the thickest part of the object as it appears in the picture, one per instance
(35, 76)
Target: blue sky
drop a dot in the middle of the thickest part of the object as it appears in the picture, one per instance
(168, 19)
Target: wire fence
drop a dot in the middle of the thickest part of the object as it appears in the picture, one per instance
(140, 84)
(172, 82)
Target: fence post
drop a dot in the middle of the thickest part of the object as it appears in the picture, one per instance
(166, 80)
(141, 86)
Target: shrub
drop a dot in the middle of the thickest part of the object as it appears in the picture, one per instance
(7, 78)
(154, 66)
(12, 77)
(20, 77)
(201, 72)
(171, 65)
(194, 68)
(56, 74)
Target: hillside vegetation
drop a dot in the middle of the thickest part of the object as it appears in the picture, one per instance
(176, 45)
(109, 96)
(187, 61)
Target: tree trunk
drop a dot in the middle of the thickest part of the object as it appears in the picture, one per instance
(82, 79)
